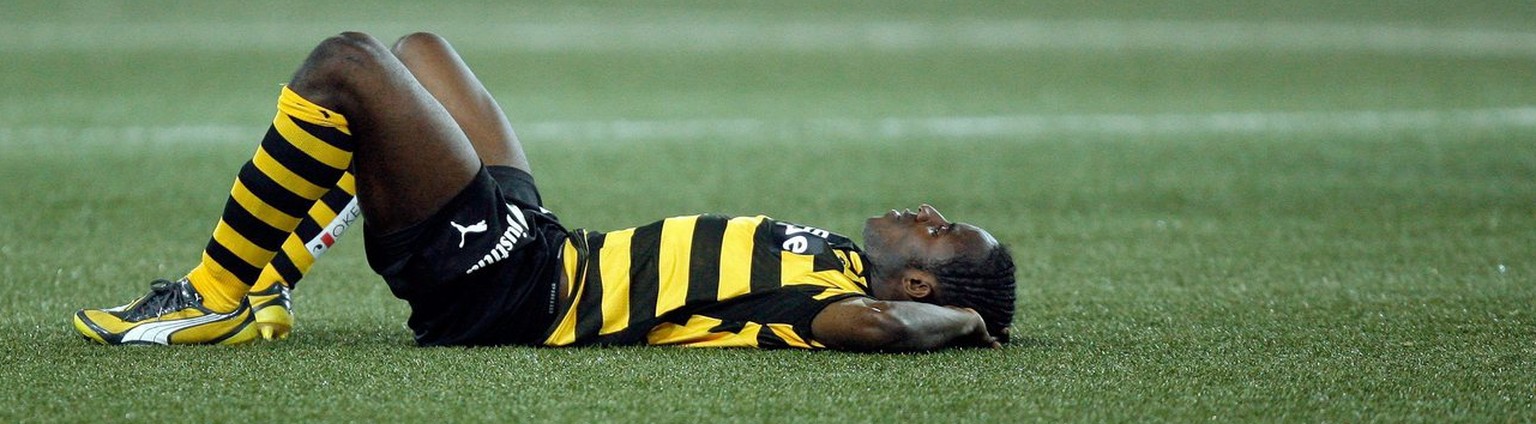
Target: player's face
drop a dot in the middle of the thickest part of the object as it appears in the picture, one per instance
(923, 235)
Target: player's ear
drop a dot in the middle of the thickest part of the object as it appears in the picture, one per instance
(919, 285)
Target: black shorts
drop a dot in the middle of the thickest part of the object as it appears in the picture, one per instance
(483, 270)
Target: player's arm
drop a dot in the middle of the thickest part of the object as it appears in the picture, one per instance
(866, 324)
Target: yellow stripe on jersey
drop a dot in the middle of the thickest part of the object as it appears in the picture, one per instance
(788, 335)
(834, 280)
(703, 280)
(678, 233)
(572, 259)
(736, 257)
(791, 264)
(695, 333)
(853, 270)
(615, 258)
(828, 294)
(565, 330)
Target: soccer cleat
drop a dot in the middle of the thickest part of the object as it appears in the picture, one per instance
(274, 311)
(171, 314)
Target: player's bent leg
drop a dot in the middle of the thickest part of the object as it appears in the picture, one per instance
(304, 153)
(412, 157)
(271, 297)
(307, 147)
(438, 67)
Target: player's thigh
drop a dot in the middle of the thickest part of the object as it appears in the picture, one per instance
(438, 67)
(411, 157)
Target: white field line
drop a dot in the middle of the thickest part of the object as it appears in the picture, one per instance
(715, 35)
(1016, 127)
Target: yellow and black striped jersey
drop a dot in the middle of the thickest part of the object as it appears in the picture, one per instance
(704, 280)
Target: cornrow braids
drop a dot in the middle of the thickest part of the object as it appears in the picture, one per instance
(986, 285)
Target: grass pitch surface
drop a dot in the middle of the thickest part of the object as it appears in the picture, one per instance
(1276, 225)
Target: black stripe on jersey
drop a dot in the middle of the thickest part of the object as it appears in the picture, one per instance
(826, 261)
(591, 303)
(301, 163)
(269, 191)
(243, 271)
(644, 275)
(253, 229)
(329, 135)
(766, 260)
(728, 326)
(704, 262)
(286, 270)
(766, 338)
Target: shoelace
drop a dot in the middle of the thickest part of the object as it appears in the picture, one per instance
(164, 296)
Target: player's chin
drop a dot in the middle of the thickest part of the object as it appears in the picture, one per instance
(872, 240)
(874, 224)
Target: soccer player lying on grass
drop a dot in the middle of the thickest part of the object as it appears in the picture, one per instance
(457, 228)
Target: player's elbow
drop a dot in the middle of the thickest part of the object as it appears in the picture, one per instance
(879, 330)
(863, 324)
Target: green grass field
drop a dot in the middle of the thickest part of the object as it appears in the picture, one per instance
(1222, 211)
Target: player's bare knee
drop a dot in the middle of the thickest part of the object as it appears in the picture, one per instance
(348, 50)
(334, 66)
(419, 40)
(419, 43)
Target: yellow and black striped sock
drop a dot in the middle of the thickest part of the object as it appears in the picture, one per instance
(335, 213)
(303, 155)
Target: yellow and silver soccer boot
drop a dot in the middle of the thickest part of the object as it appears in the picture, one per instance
(171, 314)
(274, 310)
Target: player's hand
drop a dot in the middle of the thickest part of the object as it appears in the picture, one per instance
(978, 335)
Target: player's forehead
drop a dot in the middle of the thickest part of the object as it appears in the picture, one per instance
(971, 240)
(978, 234)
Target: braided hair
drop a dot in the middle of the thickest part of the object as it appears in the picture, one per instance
(985, 285)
